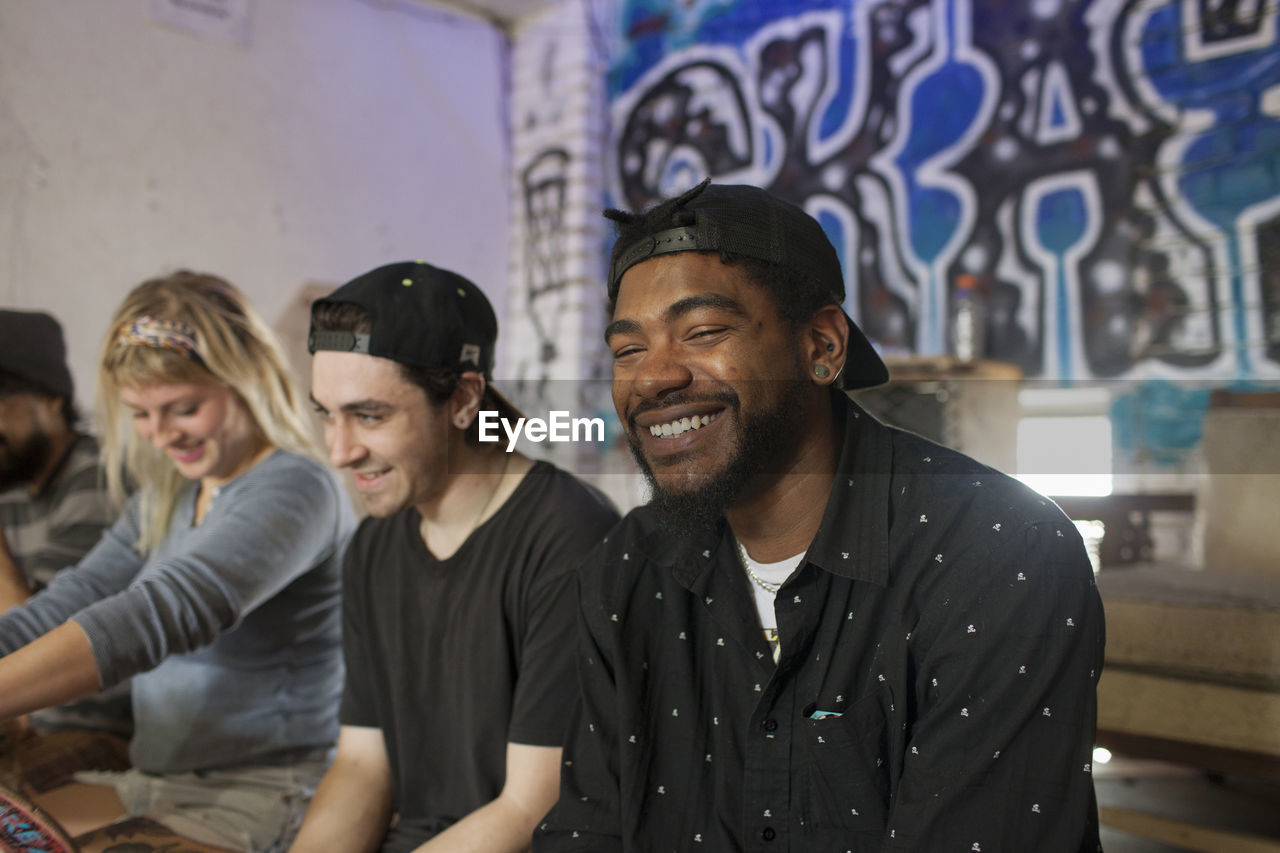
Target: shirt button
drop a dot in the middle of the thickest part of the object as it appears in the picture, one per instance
(768, 834)
(770, 725)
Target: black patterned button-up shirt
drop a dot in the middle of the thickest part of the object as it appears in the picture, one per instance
(941, 645)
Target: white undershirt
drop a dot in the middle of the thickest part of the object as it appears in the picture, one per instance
(772, 573)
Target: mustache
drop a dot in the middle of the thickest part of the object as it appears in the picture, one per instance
(727, 398)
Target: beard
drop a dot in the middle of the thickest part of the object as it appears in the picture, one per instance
(764, 440)
(20, 463)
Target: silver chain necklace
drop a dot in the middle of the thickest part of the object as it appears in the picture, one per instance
(771, 588)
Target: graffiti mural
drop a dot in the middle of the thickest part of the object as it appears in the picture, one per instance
(1107, 172)
(543, 187)
(543, 179)
(553, 332)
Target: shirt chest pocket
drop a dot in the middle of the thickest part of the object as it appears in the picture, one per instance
(845, 781)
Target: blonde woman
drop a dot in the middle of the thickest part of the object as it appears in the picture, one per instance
(217, 590)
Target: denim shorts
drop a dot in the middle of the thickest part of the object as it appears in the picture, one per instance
(257, 809)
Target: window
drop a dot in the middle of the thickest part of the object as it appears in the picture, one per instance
(1064, 441)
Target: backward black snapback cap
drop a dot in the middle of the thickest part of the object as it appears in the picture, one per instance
(421, 315)
(751, 222)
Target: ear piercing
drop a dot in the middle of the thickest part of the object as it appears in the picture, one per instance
(821, 371)
(831, 347)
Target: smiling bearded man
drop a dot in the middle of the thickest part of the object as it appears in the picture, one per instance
(694, 502)
(824, 633)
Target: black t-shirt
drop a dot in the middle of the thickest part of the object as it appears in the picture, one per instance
(455, 658)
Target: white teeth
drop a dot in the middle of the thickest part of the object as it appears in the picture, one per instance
(673, 428)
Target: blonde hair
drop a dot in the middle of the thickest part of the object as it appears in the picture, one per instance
(232, 346)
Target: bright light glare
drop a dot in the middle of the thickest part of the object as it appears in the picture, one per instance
(1101, 755)
(1092, 532)
(1065, 455)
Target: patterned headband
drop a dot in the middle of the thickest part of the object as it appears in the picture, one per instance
(160, 334)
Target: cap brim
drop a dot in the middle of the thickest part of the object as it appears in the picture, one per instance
(863, 366)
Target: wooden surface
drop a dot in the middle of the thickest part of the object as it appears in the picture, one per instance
(1212, 759)
(1171, 620)
(1185, 835)
(1212, 715)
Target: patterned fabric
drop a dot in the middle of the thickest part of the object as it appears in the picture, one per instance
(936, 690)
(24, 829)
(51, 531)
(159, 334)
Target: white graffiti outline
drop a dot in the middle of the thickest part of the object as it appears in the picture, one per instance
(819, 150)
(1198, 50)
(1194, 334)
(1191, 124)
(815, 206)
(1132, 46)
(1086, 182)
(755, 172)
(1056, 88)
(936, 171)
(1101, 19)
(877, 208)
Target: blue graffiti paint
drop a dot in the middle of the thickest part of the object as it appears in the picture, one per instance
(1161, 420)
(943, 106)
(653, 29)
(924, 128)
(1061, 222)
(837, 112)
(1233, 165)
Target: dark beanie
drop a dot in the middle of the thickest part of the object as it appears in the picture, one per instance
(32, 353)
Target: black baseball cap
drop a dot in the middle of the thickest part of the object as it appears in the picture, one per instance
(421, 316)
(33, 355)
(751, 222)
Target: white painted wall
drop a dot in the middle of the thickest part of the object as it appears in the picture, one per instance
(553, 344)
(345, 134)
(558, 234)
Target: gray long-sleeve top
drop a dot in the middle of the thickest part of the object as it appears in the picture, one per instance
(231, 628)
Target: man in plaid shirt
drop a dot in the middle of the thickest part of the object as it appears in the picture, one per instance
(53, 509)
